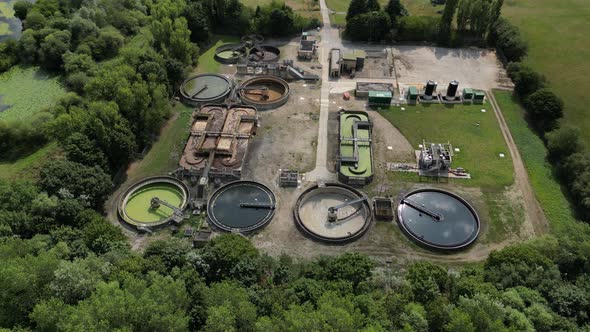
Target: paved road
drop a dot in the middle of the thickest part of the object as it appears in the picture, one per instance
(330, 39)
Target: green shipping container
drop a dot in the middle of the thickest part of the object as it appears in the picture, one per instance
(380, 97)
(467, 94)
(478, 96)
(412, 93)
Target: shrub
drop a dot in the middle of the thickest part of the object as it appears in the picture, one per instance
(563, 142)
(526, 80)
(508, 39)
(91, 183)
(544, 109)
(18, 137)
(417, 28)
(373, 26)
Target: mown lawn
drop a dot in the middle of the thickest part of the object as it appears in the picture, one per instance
(480, 147)
(532, 150)
(556, 32)
(27, 90)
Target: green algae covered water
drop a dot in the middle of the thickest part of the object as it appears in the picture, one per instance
(229, 54)
(138, 205)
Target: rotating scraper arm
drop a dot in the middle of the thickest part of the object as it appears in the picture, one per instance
(333, 211)
(256, 205)
(420, 208)
(338, 207)
(156, 202)
(205, 87)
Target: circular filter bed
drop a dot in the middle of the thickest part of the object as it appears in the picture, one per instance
(205, 88)
(333, 213)
(153, 202)
(438, 219)
(264, 53)
(265, 92)
(241, 206)
(230, 53)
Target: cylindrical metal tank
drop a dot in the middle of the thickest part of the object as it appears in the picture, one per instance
(452, 89)
(430, 87)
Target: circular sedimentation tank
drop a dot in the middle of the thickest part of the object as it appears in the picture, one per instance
(264, 53)
(205, 88)
(265, 92)
(241, 206)
(438, 219)
(230, 53)
(138, 208)
(350, 221)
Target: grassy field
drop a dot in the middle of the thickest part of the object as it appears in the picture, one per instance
(531, 148)
(27, 90)
(414, 7)
(339, 19)
(559, 48)
(29, 166)
(305, 8)
(164, 154)
(422, 8)
(479, 146)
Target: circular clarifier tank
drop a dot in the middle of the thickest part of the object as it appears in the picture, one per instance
(333, 213)
(205, 88)
(438, 219)
(264, 53)
(230, 53)
(153, 201)
(241, 206)
(265, 92)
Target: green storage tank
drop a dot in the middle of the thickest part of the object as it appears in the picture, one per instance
(467, 94)
(412, 93)
(380, 97)
(478, 96)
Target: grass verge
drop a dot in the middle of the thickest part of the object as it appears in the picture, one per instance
(28, 167)
(532, 150)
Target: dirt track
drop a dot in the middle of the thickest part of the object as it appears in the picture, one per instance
(533, 212)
